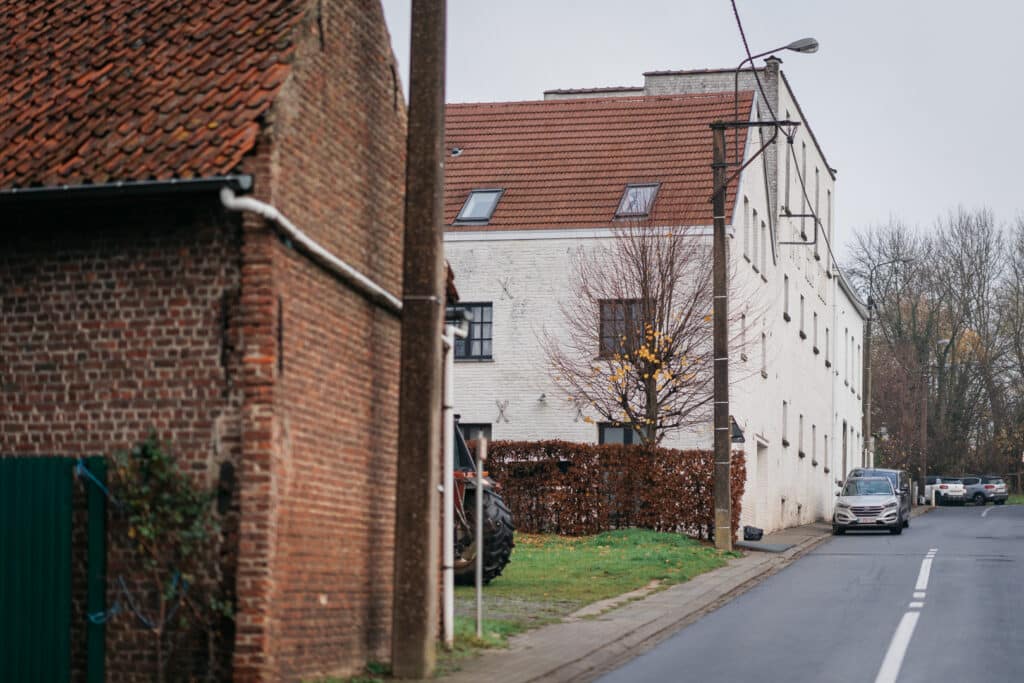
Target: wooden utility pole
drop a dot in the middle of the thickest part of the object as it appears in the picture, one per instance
(924, 426)
(417, 510)
(720, 315)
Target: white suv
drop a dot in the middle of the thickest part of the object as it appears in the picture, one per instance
(946, 489)
(867, 503)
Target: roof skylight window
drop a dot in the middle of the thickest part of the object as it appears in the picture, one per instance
(479, 206)
(637, 199)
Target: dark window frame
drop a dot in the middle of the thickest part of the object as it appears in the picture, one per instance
(619, 213)
(462, 219)
(609, 342)
(468, 427)
(628, 433)
(463, 347)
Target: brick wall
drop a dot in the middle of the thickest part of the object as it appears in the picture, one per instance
(316, 578)
(116, 319)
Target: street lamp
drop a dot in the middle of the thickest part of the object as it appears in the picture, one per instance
(720, 308)
(803, 45)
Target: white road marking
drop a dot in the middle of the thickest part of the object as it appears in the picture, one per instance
(916, 605)
(933, 550)
(922, 577)
(987, 510)
(919, 595)
(897, 649)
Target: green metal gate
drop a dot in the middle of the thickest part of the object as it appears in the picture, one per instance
(35, 569)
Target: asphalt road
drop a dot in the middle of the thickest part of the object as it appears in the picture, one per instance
(944, 601)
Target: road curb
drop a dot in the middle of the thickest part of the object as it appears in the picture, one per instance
(580, 650)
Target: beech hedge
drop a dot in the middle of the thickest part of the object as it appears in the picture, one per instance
(578, 488)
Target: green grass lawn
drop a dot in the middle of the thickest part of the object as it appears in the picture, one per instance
(552, 576)
(1015, 499)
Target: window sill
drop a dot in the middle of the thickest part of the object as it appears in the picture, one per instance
(827, 470)
(814, 463)
(801, 454)
(785, 316)
(785, 443)
(803, 335)
(764, 373)
(828, 363)
(475, 360)
(816, 350)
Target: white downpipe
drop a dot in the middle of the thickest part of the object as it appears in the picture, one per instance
(305, 243)
(447, 499)
(448, 486)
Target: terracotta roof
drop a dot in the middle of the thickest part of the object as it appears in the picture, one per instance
(566, 163)
(102, 90)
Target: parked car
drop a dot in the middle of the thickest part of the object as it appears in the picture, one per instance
(946, 489)
(867, 503)
(983, 489)
(900, 481)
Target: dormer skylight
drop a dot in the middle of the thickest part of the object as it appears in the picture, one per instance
(637, 200)
(479, 206)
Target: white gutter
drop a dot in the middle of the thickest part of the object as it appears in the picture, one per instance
(352, 277)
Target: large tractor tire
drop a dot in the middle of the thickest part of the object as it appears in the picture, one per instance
(498, 542)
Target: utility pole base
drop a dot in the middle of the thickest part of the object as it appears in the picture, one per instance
(723, 530)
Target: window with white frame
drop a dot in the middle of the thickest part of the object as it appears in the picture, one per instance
(828, 219)
(828, 359)
(785, 423)
(746, 228)
(814, 331)
(764, 355)
(753, 245)
(785, 298)
(814, 444)
(846, 354)
(743, 337)
(800, 436)
(764, 249)
(817, 237)
(804, 208)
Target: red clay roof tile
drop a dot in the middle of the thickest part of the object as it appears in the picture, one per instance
(100, 90)
(566, 163)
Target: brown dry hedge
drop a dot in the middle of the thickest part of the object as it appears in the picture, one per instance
(578, 488)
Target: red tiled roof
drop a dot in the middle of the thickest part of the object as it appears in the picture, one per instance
(102, 90)
(565, 163)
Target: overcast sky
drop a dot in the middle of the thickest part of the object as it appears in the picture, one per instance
(915, 102)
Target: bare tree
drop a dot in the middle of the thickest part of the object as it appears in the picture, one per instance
(637, 344)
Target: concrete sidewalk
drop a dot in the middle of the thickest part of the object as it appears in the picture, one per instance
(603, 636)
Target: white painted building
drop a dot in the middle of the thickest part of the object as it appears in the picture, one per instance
(558, 169)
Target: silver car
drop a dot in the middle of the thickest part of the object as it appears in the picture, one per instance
(867, 503)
